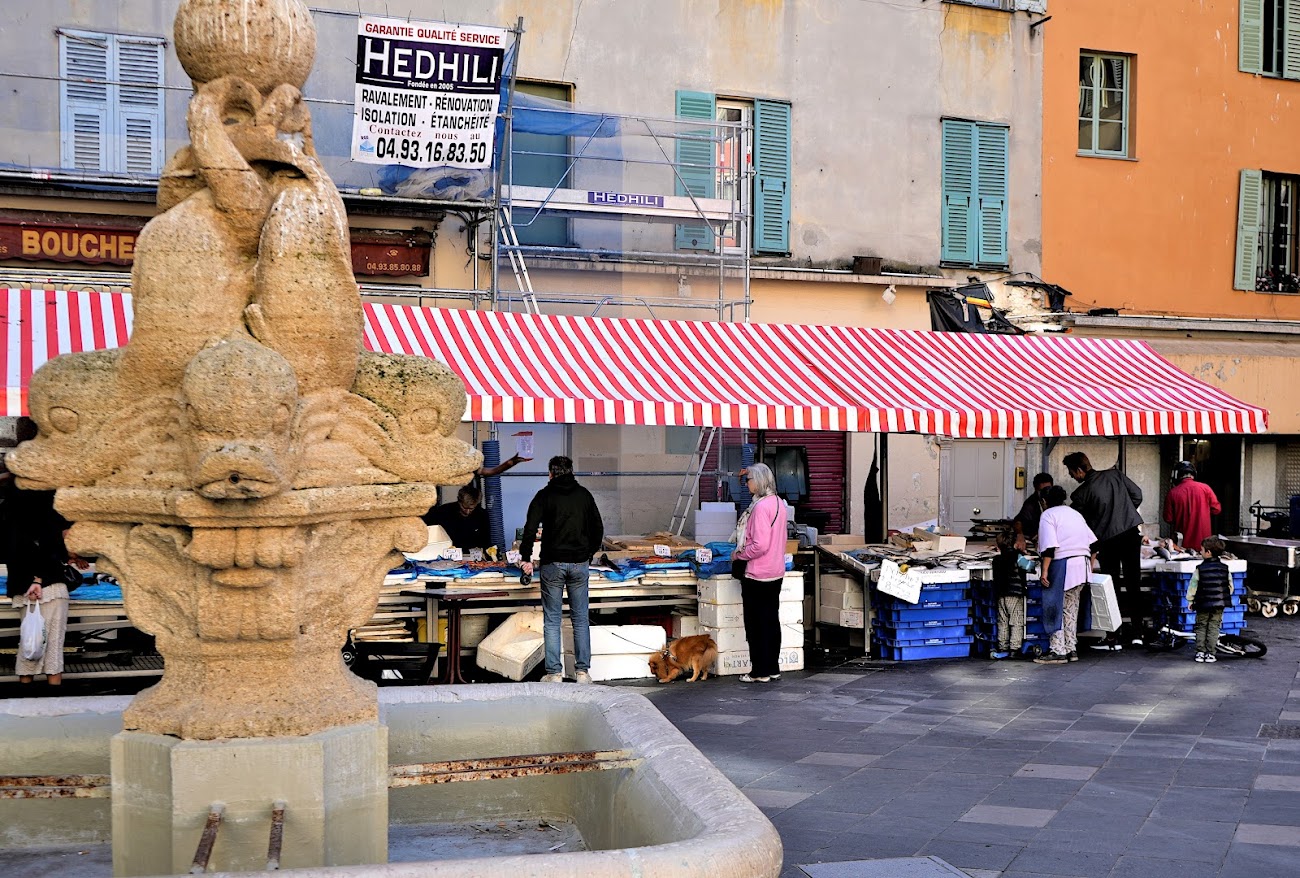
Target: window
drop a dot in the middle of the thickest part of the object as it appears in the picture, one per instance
(1269, 38)
(1268, 254)
(975, 191)
(111, 102)
(1104, 104)
(713, 167)
(540, 160)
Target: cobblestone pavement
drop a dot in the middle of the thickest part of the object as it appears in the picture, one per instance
(1122, 765)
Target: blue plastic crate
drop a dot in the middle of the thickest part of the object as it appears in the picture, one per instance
(955, 648)
(921, 635)
(917, 613)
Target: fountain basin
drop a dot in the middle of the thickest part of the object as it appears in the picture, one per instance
(673, 814)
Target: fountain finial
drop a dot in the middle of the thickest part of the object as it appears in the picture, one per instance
(266, 42)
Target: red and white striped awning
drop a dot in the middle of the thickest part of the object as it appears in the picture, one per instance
(525, 368)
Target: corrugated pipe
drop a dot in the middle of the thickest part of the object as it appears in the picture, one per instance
(492, 495)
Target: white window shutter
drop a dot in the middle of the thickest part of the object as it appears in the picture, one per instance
(84, 100)
(1248, 220)
(139, 106)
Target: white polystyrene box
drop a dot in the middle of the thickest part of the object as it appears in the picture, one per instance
(846, 600)
(844, 618)
(515, 647)
(733, 639)
(619, 639)
(738, 662)
(630, 666)
(1235, 565)
(719, 590)
(685, 626)
(733, 615)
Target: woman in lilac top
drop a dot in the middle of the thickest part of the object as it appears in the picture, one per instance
(1065, 555)
(762, 547)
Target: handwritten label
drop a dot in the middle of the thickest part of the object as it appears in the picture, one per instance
(703, 556)
(662, 551)
(514, 557)
(476, 554)
(455, 554)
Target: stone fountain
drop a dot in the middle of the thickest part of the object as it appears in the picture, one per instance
(249, 474)
(243, 467)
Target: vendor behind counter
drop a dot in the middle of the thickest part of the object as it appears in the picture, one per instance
(465, 521)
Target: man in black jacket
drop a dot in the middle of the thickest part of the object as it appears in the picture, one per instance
(1108, 500)
(571, 533)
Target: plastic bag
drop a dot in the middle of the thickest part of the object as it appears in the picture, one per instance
(31, 644)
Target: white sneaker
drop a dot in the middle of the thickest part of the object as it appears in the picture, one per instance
(1210, 659)
(774, 676)
(553, 678)
(582, 677)
(746, 678)
(1200, 657)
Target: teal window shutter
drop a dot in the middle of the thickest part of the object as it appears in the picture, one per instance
(772, 159)
(991, 191)
(1248, 219)
(1291, 41)
(1250, 29)
(696, 159)
(958, 188)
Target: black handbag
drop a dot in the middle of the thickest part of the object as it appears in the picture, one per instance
(738, 566)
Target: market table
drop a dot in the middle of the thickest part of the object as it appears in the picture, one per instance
(454, 598)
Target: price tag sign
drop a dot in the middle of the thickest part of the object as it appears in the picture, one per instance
(455, 554)
(514, 557)
(662, 551)
(703, 556)
(476, 554)
(789, 559)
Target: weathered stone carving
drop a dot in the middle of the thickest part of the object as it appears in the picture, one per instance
(243, 467)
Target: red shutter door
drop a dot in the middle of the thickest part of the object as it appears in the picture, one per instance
(827, 454)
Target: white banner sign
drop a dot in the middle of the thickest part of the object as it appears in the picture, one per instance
(427, 93)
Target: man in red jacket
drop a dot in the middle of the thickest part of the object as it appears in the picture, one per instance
(1189, 505)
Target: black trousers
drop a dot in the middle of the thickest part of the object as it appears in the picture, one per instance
(761, 603)
(1121, 557)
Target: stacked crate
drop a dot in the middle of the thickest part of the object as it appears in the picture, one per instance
(1173, 578)
(985, 613)
(936, 626)
(722, 617)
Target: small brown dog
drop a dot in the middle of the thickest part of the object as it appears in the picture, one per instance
(695, 654)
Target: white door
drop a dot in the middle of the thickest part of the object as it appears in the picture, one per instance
(979, 480)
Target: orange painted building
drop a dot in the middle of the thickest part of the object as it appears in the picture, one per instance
(1150, 119)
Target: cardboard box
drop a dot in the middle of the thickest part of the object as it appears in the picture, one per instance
(685, 626)
(737, 662)
(937, 542)
(844, 618)
(840, 541)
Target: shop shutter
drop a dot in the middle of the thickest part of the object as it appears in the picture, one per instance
(139, 106)
(827, 472)
(1291, 41)
(1248, 215)
(1251, 37)
(83, 98)
(991, 189)
(958, 154)
(772, 160)
(696, 158)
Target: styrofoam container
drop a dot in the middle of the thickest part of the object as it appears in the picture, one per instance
(629, 666)
(726, 590)
(515, 647)
(733, 615)
(845, 600)
(737, 662)
(733, 639)
(619, 639)
(1235, 565)
(685, 626)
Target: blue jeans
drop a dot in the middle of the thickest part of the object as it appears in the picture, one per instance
(556, 577)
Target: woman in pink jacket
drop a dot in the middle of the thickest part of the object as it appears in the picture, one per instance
(762, 548)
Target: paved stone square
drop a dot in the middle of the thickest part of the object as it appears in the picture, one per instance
(1122, 765)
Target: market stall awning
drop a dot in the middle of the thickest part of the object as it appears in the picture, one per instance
(545, 368)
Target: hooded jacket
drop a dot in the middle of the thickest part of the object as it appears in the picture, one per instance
(572, 530)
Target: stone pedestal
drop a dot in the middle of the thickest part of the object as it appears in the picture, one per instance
(334, 785)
